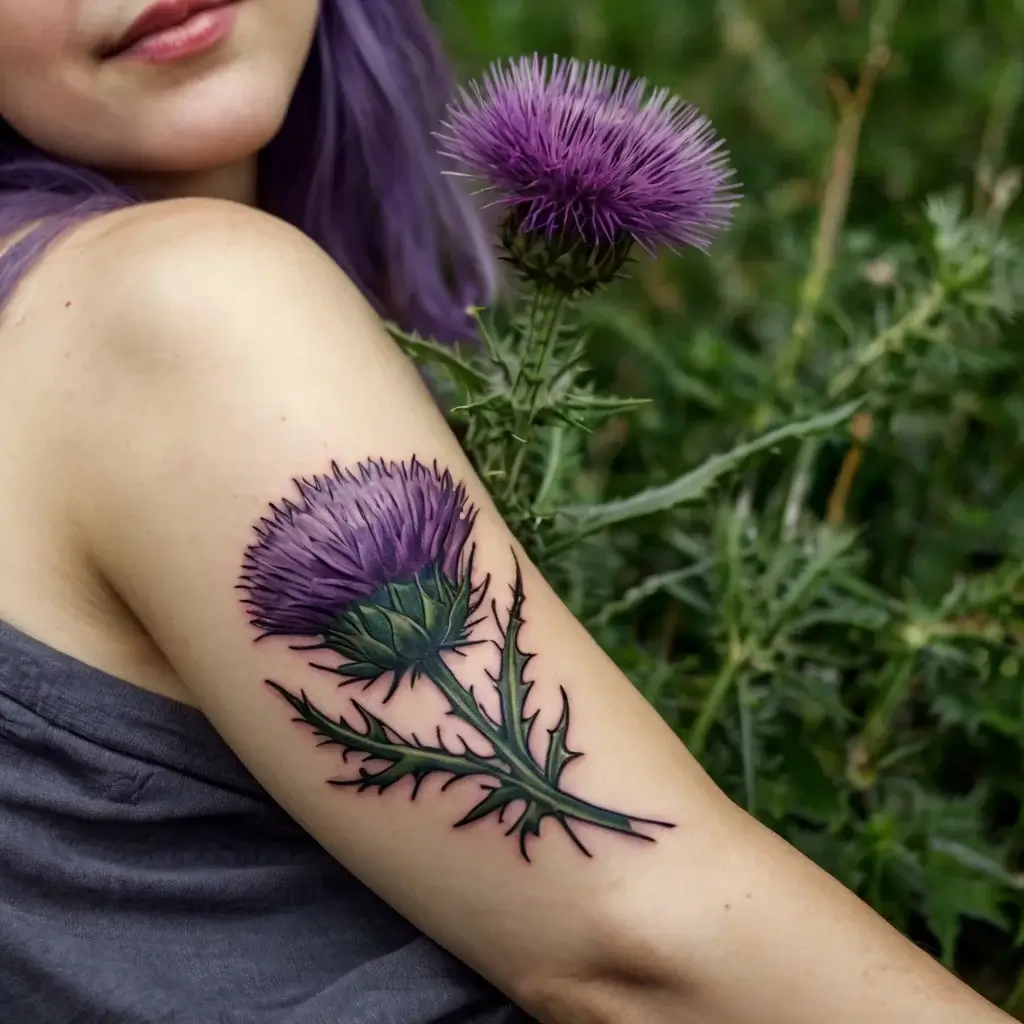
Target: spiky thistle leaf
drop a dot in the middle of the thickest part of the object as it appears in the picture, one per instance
(559, 755)
(526, 824)
(511, 683)
(379, 742)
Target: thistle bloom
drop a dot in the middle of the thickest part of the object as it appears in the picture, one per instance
(588, 164)
(371, 561)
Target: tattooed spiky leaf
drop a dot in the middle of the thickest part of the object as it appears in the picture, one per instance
(379, 742)
(404, 760)
(527, 823)
(527, 826)
(511, 682)
(559, 755)
(496, 801)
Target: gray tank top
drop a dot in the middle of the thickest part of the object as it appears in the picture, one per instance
(146, 877)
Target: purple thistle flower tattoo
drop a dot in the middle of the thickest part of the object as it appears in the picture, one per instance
(378, 564)
(589, 164)
(351, 535)
(373, 561)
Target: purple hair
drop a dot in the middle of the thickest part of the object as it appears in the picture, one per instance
(354, 167)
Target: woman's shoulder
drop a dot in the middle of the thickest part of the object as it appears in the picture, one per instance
(142, 228)
(149, 234)
(170, 273)
(126, 259)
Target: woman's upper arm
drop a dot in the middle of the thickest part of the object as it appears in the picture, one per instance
(262, 477)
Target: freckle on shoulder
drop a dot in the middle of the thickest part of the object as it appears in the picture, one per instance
(164, 258)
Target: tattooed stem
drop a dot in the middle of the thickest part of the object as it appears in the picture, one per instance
(523, 772)
(465, 707)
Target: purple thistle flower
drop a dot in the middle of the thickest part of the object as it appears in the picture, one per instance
(351, 535)
(581, 154)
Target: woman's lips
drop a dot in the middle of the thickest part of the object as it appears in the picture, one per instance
(194, 34)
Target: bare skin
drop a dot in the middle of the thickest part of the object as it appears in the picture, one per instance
(48, 588)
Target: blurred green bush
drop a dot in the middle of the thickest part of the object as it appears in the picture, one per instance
(839, 634)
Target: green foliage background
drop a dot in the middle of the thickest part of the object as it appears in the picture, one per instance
(837, 632)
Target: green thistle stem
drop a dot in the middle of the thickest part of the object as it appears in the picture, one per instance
(543, 341)
(912, 322)
(465, 707)
(548, 339)
(523, 773)
(536, 307)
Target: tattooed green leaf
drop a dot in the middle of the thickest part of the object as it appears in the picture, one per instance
(512, 685)
(559, 754)
(379, 742)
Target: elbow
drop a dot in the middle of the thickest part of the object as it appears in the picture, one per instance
(595, 1000)
(624, 976)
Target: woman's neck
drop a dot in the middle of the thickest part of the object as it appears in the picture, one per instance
(236, 182)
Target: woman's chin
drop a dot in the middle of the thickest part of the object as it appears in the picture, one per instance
(208, 125)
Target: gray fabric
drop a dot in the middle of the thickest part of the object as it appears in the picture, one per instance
(145, 876)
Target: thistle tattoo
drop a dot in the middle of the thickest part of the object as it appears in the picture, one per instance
(376, 565)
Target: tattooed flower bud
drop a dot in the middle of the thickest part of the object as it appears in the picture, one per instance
(588, 165)
(371, 561)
